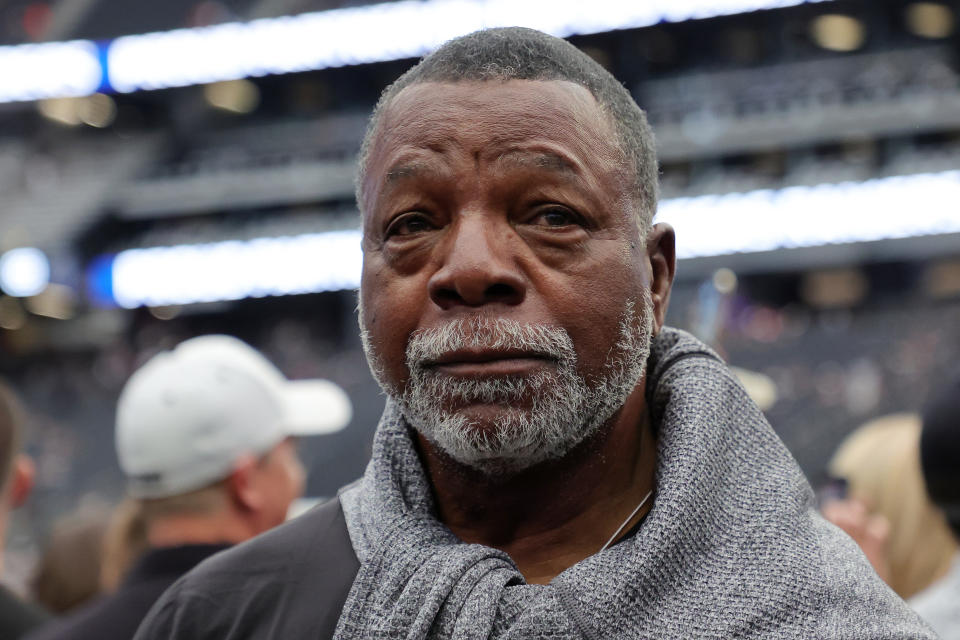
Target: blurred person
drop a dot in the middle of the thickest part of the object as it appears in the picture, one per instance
(940, 456)
(68, 574)
(887, 511)
(204, 435)
(552, 461)
(17, 617)
(124, 542)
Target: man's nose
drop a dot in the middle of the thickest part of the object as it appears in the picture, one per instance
(478, 267)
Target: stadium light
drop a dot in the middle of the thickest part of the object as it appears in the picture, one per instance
(51, 70)
(374, 33)
(24, 272)
(230, 270)
(884, 208)
(842, 213)
(319, 40)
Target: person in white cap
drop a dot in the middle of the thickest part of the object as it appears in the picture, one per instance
(204, 435)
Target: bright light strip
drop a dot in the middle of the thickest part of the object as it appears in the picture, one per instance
(52, 70)
(237, 269)
(885, 208)
(310, 41)
(764, 220)
(375, 33)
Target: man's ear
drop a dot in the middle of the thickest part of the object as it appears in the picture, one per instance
(21, 481)
(241, 485)
(661, 251)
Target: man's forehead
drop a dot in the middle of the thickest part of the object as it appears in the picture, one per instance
(504, 114)
(514, 156)
(551, 125)
(559, 99)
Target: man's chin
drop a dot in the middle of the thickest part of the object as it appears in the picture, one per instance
(483, 418)
(488, 464)
(478, 436)
(499, 468)
(502, 465)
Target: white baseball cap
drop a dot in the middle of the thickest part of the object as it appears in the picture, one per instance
(187, 415)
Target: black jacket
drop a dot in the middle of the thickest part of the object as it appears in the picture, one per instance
(290, 582)
(117, 616)
(18, 617)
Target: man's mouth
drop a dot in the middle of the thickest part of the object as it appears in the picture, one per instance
(489, 362)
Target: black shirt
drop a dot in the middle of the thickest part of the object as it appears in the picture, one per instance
(18, 617)
(117, 616)
(290, 582)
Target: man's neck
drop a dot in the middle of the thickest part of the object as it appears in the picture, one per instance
(178, 530)
(550, 517)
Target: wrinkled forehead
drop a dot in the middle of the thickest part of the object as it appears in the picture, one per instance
(530, 98)
(484, 114)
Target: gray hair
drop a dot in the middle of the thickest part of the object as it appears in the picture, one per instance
(516, 53)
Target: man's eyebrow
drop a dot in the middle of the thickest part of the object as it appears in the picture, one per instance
(540, 160)
(402, 171)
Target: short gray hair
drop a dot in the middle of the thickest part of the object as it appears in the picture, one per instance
(516, 53)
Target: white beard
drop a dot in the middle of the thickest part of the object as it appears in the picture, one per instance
(545, 415)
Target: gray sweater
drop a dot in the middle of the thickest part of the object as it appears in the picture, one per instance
(732, 548)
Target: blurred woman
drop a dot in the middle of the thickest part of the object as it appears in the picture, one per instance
(124, 542)
(887, 511)
(68, 575)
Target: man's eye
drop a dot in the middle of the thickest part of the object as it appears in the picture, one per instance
(408, 225)
(555, 217)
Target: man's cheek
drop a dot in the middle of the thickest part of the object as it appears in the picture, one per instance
(390, 347)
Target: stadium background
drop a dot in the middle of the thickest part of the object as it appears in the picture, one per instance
(809, 157)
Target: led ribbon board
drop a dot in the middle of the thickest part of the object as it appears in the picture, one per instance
(842, 213)
(884, 208)
(310, 41)
(56, 69)
(229, 270)
(374, 33)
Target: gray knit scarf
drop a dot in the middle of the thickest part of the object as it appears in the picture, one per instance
(733, 547)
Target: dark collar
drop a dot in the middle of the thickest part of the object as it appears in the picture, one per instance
(175, 561)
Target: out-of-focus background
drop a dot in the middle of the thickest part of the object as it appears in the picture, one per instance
(174, 168)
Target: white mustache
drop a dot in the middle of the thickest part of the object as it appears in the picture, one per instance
(428, 345)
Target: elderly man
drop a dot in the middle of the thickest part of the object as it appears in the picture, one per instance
(552, 461)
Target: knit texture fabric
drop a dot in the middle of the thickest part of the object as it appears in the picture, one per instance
(732, 548)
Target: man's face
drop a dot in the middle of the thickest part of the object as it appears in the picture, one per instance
(505, 290)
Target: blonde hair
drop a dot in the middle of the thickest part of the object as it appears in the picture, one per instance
(881, 463)
(11, 419)
(68, 574)
(125, 541)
